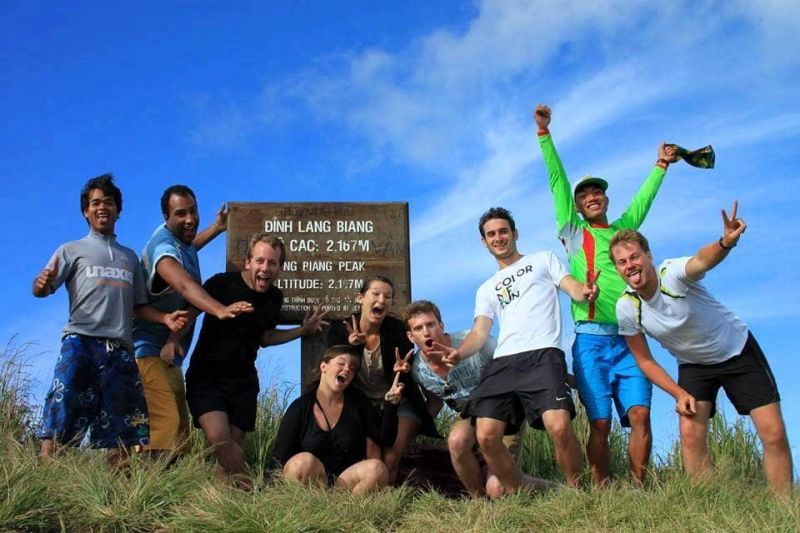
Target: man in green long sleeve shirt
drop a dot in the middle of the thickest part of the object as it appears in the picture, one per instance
(604, 368)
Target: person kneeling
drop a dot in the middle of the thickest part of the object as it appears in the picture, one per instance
(323, 436)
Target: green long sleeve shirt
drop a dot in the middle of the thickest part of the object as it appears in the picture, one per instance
(587, 245)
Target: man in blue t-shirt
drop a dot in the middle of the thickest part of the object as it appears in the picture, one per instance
(171, 272)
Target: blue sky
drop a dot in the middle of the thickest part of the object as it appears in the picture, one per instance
(424, 102)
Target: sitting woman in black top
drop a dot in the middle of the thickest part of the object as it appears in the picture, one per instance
(323, 435)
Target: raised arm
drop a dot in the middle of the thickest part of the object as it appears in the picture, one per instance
(685, 402)
(640, 204)
(219, 225)
(566, 212)
(174, 274)
(473, 342)
(712, 254)
(313, 322)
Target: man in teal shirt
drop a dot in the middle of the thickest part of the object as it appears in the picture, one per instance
(603, 365)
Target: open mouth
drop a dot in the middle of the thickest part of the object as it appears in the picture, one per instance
(429, 343)
(341, 379)
(377, 311)
(635, 276)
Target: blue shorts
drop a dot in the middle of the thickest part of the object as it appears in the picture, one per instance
(96, 386)
(604, 369)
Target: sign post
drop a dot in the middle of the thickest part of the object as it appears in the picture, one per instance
(331, 248)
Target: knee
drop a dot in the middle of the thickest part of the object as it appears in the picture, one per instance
(460, 443)
(300, 466)
(490, 441)
(639, 417)
(217, 436)
(774, 436)
(376, 473)
(560, 430)
(600, 428)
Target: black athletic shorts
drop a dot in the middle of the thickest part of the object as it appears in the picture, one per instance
(237, 397)
(746, 379)
(520, 386)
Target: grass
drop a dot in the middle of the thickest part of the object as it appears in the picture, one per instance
(78, 492)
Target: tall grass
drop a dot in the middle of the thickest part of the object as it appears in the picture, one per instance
(78, 492)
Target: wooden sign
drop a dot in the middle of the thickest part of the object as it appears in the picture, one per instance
(331, 248)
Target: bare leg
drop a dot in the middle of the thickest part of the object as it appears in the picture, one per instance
(407, 430)
(694, 442)
(460, 443)
(227, 448)
(568, 449)
(305, 468)
(597, 450)
(777, 456)
(500, 461)
(47, 450)
(640, 442)
(365, 476)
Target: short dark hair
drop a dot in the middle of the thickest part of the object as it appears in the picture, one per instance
(268, 238)
(105, 183)
(496, 212)
(418, 307)
(629, 236)
(178, 190)
(330, 353)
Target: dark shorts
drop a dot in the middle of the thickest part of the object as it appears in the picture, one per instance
(746, 379)
(522, 386)
(237, 397)
(96, 387)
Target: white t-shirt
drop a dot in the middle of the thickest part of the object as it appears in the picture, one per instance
(683, 317)
(524, 298)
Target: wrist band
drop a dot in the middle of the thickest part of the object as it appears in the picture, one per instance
(661, 162)
(731, 247)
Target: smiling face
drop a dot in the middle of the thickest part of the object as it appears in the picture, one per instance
(338, 372)
(101, 212)
(263, 266)
(500, 240)
(592, 203)
(424, 329)
(635, 267)
(376, 301)
(182, 218)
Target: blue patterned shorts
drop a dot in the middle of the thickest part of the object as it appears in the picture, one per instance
(96, 387)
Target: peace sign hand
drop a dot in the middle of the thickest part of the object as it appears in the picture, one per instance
(402, 364)
(732, 228)
(354, 335)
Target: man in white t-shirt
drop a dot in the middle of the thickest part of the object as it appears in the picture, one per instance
(527, 379)
(713, 346)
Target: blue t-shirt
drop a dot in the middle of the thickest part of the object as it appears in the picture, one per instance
(149, 338)
(462, 378)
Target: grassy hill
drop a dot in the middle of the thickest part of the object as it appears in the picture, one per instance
(78, 492)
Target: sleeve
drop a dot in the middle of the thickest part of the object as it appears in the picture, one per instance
(287, 442)
(483, 302)
(637, 210)
(155, 252)
(629, 315)
(380, 428)
(567, 220)
(65, 266)
(673, 275)
(555, 268)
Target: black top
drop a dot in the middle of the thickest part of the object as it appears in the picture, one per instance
(228, 348)
(393, 335)
(346, 443)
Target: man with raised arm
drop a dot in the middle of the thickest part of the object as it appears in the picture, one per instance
(222, 382)
(713, 347)
(443, 384)
(171, 271)
(96, 384)
(527, 379)
(603, 366)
